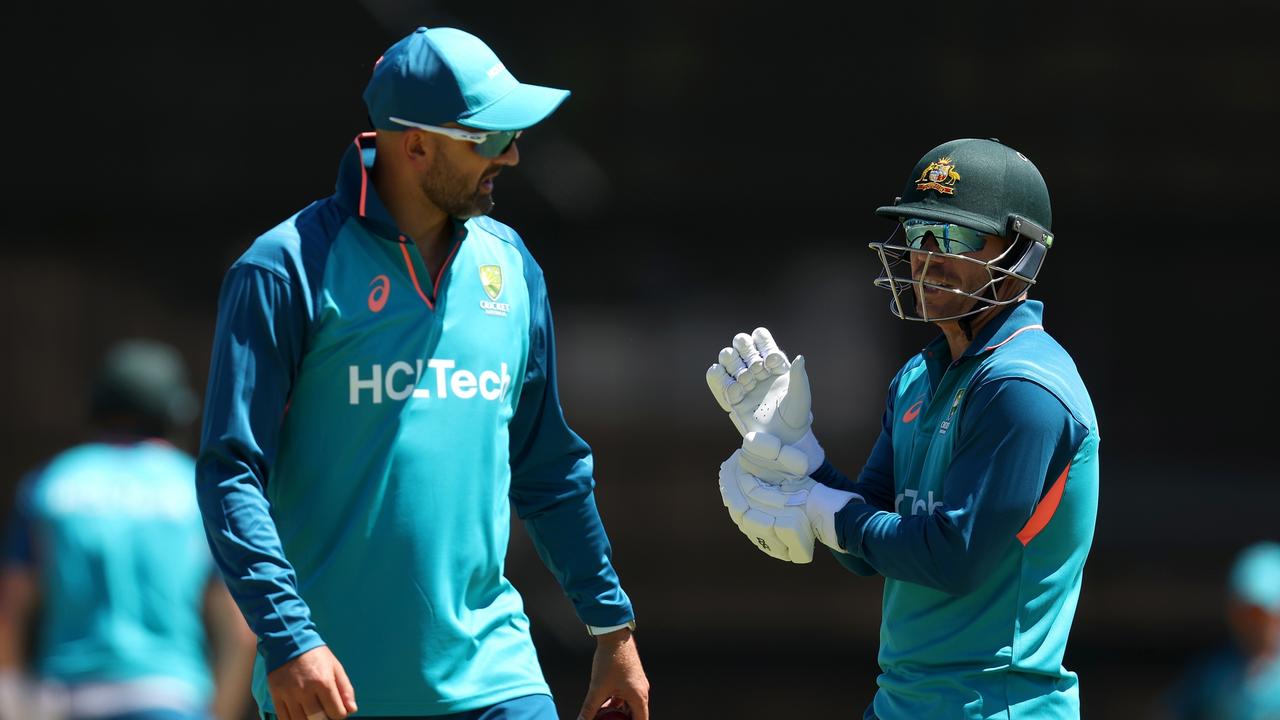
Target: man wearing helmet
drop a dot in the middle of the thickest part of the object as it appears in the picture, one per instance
(977, 503)
(109, 600)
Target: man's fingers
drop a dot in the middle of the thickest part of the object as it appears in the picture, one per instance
(727, 391)
(750, 355)
(719, 382)
(775, 361)
(731, 491)
(331, 702)
(796, 406)
(762, 445)
(764, 449)
(595, 698)
(758, 526)
(793, 461)
(345, 689)
(731, 361)
(736, 368)
(797, 536)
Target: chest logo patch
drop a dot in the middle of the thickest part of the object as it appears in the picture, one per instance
(946, 424)
(378, 295)
(491, 282)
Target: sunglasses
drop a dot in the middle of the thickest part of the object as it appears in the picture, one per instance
(951, 238)
(489, 143)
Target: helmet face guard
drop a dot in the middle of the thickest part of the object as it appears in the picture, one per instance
(1014, 268)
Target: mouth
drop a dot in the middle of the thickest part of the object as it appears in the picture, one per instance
(486, 183)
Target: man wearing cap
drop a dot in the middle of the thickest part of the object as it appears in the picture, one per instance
(382, 390)
(1242, 680)
(107, 550)
(978, 501)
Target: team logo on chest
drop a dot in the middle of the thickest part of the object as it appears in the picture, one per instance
(946, 424)
(491, 282)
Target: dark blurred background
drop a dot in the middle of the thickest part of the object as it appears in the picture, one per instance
(715, 169)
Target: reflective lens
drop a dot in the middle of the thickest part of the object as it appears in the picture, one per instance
(950, 238)
(496, 142)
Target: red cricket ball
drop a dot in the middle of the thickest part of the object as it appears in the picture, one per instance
(613, 709)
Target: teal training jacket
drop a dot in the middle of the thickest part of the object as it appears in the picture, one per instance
(367, 428)
(112, 532)
(982, 493)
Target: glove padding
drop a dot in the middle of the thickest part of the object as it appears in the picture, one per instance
(764, 392)
(781, 519)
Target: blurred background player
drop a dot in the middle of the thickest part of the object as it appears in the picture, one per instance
(977, 503)
(1242, 680)
(107, 550)
(382, 393)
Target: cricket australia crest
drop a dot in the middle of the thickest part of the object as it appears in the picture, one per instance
(491, 282)
(940, 175)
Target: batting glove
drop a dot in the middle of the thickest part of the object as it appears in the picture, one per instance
(781, 520)
(762, 391)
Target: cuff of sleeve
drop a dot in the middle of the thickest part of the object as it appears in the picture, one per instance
(594, 630)
(855, 565)
(850, 522)
(278, 651)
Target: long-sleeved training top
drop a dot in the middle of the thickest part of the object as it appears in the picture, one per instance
(367, 428)
(982, 493)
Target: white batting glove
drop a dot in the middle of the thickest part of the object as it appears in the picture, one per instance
(762, 391)
(781, 520)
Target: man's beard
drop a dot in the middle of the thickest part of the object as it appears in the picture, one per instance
(451, 193)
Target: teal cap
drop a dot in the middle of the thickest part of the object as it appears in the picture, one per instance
(444, 75)
(1255, 577)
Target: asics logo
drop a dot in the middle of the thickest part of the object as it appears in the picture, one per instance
(378, 295)
(912, 412)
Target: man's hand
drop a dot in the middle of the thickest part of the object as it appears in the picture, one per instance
(616, 675)
(312, 686)
(781, 519)
(764, 392)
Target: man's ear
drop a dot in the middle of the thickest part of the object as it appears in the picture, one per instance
(416, 147)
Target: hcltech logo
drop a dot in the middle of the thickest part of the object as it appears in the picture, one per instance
(401, 380)
(916, 504)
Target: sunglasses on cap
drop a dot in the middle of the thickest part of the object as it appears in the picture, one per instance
(489, 143)
(950, 238)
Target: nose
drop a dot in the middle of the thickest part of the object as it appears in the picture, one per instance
(930, 243)
(511, 156)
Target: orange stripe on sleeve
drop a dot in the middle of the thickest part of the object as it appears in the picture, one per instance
(1045, 509)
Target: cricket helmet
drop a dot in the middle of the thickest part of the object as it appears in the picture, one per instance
(144, 381)
(978, 185)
